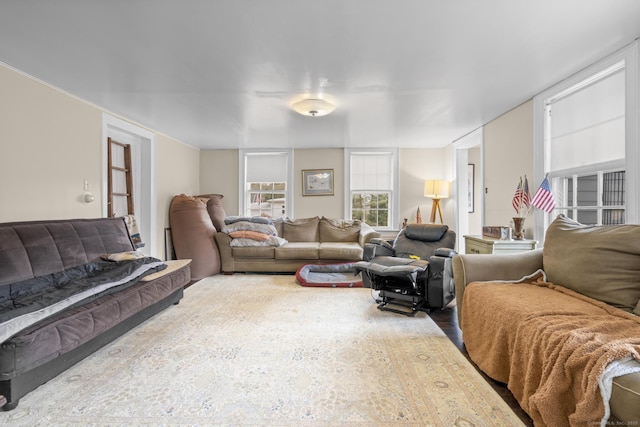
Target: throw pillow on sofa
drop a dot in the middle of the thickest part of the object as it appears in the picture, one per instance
(301, 230)
(333, 230)
(601, 262)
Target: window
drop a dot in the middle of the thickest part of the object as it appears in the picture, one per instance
(371, 176)
(585, 140)
(267, 199)
(266, 184)
(595, 198)
(586, 136)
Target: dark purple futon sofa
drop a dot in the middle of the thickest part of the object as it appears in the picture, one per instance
(61, 298)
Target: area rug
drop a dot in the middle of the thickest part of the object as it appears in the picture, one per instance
(259, 350)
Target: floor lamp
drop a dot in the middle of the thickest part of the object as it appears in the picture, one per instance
(436, 189)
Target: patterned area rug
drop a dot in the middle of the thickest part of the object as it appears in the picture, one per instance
(256, 350)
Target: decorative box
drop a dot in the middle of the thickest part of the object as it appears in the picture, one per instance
(497, 232)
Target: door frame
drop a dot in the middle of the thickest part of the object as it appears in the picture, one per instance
(461, 149)
(144, 175)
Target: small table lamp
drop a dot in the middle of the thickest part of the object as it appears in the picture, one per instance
(436, 189)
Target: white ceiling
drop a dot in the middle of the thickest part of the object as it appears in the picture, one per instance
(223, 74)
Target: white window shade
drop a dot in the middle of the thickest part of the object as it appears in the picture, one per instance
(588, 125)
(266, 167)
(372, 171)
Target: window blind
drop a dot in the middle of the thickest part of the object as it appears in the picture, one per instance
(372, 171)
(587, 125)
(266, 167)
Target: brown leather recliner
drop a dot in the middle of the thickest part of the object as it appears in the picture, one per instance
(192, 220)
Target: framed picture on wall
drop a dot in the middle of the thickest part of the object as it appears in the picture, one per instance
(470, 189)
(317, 182)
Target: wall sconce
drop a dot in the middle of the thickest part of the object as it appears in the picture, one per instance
(87, 198)
(436, 189)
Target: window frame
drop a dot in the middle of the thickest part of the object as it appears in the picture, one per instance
(394, 192)
(243, 189)
(563, 205)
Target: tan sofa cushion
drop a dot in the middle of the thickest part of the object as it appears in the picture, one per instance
(340, 250)
(278, 223)
(599, 262)
(301, 230)
(297, 250)
(338, 230)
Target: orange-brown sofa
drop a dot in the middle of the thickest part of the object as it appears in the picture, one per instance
(559, 325)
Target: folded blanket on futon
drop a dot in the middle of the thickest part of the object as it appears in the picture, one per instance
(24, 303)
(550, 345)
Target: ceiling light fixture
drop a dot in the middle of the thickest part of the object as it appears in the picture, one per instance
(313, 107)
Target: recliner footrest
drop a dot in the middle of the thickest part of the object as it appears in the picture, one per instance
(407, 270)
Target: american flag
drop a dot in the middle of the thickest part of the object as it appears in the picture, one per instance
(543, 199)
(521, 198)
(526, 196)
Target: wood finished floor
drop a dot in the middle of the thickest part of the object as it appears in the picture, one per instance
(447, 320)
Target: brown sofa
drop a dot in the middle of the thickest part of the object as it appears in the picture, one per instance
(312, 240)
(69, 254)
(559, 325)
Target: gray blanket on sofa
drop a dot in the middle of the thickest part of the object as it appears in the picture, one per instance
(24, 303)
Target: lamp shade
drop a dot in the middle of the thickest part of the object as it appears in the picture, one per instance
(436, 189)
(313, 107)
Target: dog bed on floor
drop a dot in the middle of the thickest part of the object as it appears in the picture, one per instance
(329, 275)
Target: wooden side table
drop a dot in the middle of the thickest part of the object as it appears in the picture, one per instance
(488, 245)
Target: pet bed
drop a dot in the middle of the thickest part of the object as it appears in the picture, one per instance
(329, 275)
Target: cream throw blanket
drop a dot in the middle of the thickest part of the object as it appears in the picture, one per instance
(552, 346)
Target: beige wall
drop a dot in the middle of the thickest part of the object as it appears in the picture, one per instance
(177, 172)
(508, 155)
(329, 206)
(416, 166)
(50, 142)
(219, 174)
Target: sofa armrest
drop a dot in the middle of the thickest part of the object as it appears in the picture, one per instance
(469, 268)
(223, 240)
(366, 234)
